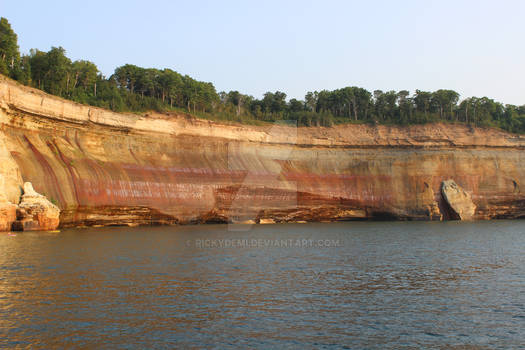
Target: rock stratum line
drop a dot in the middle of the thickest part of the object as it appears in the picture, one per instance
(106, 168)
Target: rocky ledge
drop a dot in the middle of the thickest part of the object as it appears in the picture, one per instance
(34, 212)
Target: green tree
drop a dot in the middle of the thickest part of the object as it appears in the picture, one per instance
(423, 101)
(391, 108)
(3, 68)
(84, 74)
(445, 100)
(38, 61)
(236, 99)
(170, 83)
(296, 105)
(126, 77)
(311, 101)
(23, 70)
(405, 106)
(58, 74)
(9, 53)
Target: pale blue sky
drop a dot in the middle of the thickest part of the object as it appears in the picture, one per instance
(474, 47)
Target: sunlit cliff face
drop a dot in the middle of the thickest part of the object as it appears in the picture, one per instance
(105, 168)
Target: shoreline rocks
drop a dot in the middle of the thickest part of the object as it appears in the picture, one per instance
(7, 216)
(458, 199)
(35, 212)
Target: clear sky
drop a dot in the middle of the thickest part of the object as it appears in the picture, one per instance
(474, 47)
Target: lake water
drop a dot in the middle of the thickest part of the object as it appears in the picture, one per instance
(386, 285)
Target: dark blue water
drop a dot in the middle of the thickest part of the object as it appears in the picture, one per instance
(385, 285)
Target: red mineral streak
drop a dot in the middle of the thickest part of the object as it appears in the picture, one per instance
(48, 175)
(126, 170)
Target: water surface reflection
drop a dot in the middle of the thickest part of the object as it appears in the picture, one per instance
(387, 285)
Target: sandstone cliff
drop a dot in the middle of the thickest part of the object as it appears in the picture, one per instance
(35, 212)
(7, 209)
(109, 168)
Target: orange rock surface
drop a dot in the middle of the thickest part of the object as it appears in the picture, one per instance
(105, 168)
(7, 209)
(7, 216)
(35, 212)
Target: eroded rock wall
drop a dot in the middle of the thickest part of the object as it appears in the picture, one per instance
(35, 212)
(105, 168)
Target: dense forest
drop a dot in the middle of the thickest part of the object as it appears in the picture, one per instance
(137, 89)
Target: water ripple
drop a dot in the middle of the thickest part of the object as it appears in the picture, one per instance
(388, 286)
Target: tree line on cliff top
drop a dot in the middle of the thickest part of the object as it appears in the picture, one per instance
(135, 89)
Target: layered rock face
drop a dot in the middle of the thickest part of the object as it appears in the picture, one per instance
(105, 168)
(7, 209)
(35, 212)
